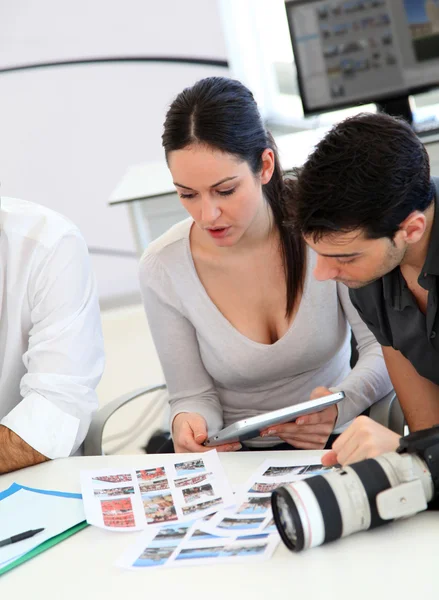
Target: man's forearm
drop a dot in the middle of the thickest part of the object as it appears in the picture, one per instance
(419, 397)
(15, 453)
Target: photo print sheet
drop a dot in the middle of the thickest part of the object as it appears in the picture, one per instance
(188, 544)
(253, 514)
(166, 490)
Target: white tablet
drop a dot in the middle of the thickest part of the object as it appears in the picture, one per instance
(251, 427)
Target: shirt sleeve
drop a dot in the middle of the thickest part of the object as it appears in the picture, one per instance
(190, 387)
(364, 306)
(65, 356)
(369, 380)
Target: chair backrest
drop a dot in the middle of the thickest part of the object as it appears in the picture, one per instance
(93, 443)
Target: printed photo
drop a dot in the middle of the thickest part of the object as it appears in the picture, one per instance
(227, 551)
(112, 478)
(118, 513)
(189, 467)
(159, 484)
(232, 523)
(196, 493)
(266, 488)
(199, 535)
(150, 474)
(316, 470)
(276, 471)
(110, 492)
(184, 481)
(238, 550)
(187, 553)
(255, 505)
(188, 510)
(154, 557)
(423, 20)
(174, 534)
(159, 508)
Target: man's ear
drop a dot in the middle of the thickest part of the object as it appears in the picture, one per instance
(268, 162)
(413, 227)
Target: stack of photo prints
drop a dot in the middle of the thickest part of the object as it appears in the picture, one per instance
(187, 510)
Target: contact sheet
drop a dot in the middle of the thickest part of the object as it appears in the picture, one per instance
(166, 490)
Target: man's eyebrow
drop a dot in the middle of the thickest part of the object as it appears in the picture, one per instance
(345, 255)
(212, 186)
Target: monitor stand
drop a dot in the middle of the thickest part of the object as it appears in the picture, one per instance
(398, 106)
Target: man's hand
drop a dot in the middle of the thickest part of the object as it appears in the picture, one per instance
(311, 431)
(365, 438)
(189, 431)
(15, 453)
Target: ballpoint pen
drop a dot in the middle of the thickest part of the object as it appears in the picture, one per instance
(20, 536)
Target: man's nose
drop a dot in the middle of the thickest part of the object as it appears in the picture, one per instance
(324, 270)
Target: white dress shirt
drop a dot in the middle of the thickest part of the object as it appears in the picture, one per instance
(51, 345)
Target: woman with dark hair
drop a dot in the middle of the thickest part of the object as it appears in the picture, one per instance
(239, 323)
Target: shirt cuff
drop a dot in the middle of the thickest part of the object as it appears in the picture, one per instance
(43, 426)
(211, 414)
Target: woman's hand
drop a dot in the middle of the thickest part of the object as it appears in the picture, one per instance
(311, 431)
(365, 438)
(189, 431)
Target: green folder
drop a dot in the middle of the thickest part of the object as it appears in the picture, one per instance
(44, 546)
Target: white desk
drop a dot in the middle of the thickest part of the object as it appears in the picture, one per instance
(397, 561)
(149, 194)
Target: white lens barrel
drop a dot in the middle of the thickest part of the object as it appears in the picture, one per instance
(309, 512)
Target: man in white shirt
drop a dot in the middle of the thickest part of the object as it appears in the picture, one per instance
(51, 346)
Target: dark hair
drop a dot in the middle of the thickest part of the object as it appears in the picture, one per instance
(369, 172)
(223, 114)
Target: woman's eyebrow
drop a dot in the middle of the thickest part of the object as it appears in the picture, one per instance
(213, 185)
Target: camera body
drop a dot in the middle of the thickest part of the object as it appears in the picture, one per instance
(360, 496)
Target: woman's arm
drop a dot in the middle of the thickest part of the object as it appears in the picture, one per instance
(369, 380)
(190, 387)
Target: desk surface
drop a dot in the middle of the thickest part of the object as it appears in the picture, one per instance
(395, 561)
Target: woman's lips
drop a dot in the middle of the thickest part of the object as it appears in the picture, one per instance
(218, 233)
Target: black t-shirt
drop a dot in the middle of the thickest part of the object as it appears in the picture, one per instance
(389, 309)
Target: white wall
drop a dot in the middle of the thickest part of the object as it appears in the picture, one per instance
(69, 133)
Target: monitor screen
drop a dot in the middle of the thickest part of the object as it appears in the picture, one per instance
(351, 52)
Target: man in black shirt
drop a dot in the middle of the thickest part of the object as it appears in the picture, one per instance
(366, 203)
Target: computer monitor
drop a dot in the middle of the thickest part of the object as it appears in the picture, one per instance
(351, 52)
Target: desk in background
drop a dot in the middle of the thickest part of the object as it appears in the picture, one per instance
(149, 194)
(395, 561)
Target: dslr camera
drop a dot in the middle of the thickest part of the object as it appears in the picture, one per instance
(361, 496)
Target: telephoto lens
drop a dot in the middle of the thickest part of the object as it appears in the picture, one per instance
(364, 495)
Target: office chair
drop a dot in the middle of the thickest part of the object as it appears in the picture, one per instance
(93, 443)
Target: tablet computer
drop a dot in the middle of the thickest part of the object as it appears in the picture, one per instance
(251, 427)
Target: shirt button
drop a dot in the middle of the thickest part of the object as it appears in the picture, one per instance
(432, 335)
(425, 274)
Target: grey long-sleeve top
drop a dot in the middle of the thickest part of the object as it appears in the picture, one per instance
(214, 370)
